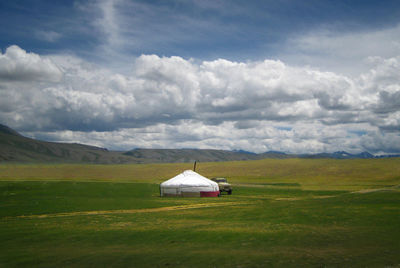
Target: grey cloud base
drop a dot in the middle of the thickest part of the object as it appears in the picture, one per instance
(171, 102)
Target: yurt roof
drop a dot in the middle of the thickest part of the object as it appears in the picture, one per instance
(188, 178)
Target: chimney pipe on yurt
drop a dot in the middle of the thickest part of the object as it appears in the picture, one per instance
(194, 166)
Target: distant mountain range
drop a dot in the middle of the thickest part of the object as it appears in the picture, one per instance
(339, 155)
(19, 149)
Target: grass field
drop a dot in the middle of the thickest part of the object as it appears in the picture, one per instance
(282, 213)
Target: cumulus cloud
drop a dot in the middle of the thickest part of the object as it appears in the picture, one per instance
(18, 65)
(182, 103)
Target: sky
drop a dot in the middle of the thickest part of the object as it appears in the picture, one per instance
(276, 75)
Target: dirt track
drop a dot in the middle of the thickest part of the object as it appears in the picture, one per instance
(389, 188)
(129, 211)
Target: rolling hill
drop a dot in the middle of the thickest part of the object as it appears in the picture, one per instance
(190, 155)
(17, 148)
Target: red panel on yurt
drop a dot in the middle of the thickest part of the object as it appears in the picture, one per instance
(209, 194)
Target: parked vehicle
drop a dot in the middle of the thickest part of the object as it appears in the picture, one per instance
(223, 185)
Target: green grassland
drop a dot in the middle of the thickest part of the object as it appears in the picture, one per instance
(282, 213)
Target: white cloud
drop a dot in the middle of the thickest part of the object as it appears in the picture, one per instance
(18, 65)
(171, 102)
(342, 52)
(381, 142)
(108, 21)
(48, 36)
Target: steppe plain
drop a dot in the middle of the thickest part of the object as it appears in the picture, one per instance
(282, 213)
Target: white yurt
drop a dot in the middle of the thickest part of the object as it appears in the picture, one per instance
(189, 183)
